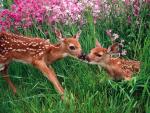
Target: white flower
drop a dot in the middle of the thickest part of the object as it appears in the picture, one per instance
(122, 41)
(115, 36)
(47, 8)
(124, 52)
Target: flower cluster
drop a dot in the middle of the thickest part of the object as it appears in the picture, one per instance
(136, 4)
(23, 13)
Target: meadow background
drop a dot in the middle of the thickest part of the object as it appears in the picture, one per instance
(88, 88)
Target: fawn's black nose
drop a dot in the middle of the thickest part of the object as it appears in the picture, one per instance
(87, 58)
(82, 56)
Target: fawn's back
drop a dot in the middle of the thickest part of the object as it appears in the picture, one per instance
(23, 48)
(119, 68)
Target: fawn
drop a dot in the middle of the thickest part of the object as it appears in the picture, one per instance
(117, 68)
(38, 52)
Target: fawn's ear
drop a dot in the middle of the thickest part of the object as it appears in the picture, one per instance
(97, 43)
(113, 48)
(58, 35)
(77, 36)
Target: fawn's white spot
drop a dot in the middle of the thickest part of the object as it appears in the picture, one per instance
(118, 62)
(41, 53)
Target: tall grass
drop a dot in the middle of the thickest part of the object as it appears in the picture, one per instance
(88, 89)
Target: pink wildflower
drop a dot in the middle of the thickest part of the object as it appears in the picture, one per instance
(109, 32)
(128, 2)
(136, 5)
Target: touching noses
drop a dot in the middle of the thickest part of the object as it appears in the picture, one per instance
(83, 56)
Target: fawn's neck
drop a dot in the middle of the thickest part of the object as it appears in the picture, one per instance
(109, 63)
(56, 52)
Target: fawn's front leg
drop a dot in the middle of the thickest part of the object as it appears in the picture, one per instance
(50, 75)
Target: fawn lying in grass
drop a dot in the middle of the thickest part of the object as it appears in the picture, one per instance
(117, 68)
(38, 52)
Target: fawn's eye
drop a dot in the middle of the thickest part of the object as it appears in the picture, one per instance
(98, 55)
(72, 47)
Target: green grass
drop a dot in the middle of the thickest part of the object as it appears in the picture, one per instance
(88, 89)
